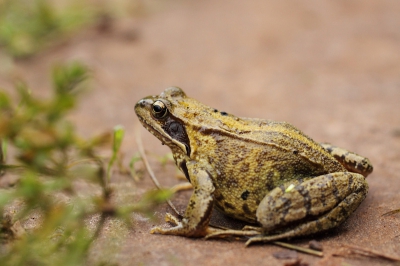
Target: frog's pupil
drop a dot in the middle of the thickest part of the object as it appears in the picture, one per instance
(157, 108)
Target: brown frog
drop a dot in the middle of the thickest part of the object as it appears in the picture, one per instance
(254, 170)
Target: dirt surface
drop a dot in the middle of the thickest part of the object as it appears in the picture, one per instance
(330, 68)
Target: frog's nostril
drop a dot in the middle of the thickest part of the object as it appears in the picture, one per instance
(144, 103)
(140, 103)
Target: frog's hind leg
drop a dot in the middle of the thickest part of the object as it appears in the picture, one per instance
(350, 160)
(316, 205)
(327, 221)
(330, 220)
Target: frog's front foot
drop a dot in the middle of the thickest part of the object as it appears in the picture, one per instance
(167, 231)
(197, 216)
(181, 228)
(177, 228)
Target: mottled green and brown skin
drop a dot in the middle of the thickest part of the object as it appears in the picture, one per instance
(255, 170)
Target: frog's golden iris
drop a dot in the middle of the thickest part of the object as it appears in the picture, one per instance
(159, 110)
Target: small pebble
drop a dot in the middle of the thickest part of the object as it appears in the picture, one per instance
(313, 244)
(286, 254)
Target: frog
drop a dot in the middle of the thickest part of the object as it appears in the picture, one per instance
(268, 174)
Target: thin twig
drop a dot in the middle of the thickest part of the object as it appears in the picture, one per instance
(181, 187)
(150, 171)
(298, 248)
(2, 157)
(370, 252)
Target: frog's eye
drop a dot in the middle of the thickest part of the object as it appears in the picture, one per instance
(159, 109)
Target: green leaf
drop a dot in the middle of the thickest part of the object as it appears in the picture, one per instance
(118, 135)
(4, 101)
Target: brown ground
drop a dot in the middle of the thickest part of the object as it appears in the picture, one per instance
(330, 68)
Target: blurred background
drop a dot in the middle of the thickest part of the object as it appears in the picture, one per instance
(284, 61)
(331, 68)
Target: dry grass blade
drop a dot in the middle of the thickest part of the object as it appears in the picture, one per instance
(150, 171)
(370, 253)
(181, 187)
(300, 249)
(391, 212)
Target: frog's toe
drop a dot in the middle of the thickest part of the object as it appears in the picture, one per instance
(252, 228)
(169, 218)
(176, 230)
(156, 230)
(229, 233)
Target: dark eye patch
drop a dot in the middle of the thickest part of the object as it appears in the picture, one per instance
(177, 131)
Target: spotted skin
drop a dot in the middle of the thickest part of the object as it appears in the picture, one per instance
(281, 208)
(259, 171)
(350, 160)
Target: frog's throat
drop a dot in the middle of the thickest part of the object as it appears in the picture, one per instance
(159, 133)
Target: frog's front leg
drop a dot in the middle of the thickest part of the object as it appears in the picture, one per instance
(198, 212)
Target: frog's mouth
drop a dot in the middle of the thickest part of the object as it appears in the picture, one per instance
(165, 139)
(158, 131)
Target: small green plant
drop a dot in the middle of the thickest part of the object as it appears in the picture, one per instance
(26, 26)
(50, 161)
(135, 174)
(117, 141)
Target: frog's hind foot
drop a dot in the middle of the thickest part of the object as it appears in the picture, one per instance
(254, 233)
(269, 238)
(262, 239)
(252, 228)
(230, 233)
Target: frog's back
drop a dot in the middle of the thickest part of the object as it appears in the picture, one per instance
(284, 139)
